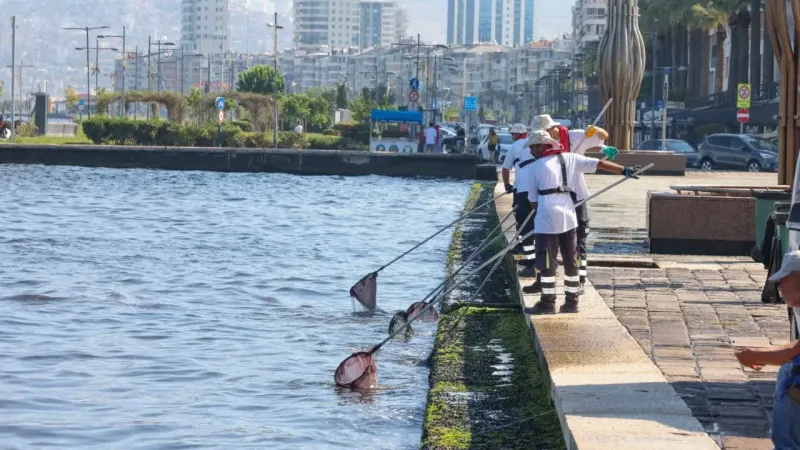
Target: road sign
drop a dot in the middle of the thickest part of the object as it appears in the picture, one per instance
(414, 84)
(743, 95)
(675, 105)
(80, 106)
(470, 103)
(667, 69)
(659, 104)
(221, 116)
(220, 103)
(81, 102)
(413, 96)
(743, 115)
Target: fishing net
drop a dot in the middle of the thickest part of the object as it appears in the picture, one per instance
(357, 372)
(428, 316)
(366, 291)
(398, 320)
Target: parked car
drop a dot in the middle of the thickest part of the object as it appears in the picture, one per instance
(505, 140)
(738, 151)
(673, 145)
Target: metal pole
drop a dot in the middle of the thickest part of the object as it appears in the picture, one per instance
(275, 97)
(653, 82)
(208, 84)
(124, 71)
(13, 61)
(664, 116)
(417, 75)
(96, 66)
(183, 51)
(149, 69)
(88, 78)
(158, 66)
(136, 79)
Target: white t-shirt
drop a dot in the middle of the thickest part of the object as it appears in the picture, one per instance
(555, 213)
(578, 144)
(517, 154)
(430, 136)
(298, 129)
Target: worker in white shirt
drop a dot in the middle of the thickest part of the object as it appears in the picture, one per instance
(551, 194)
(519, 158)
(430, 138)
(578, 143)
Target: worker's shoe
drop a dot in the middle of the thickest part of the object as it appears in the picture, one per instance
(518, 250)
(583, 289)
(570, 306)
(528, 272)
(542, 307)
(535, 288)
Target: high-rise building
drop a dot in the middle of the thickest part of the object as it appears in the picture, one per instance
(205, 26)
(326, 23)
(382, 23)
(589, 19)
(505, 22)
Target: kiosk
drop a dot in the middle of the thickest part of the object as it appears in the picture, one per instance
(407, 143)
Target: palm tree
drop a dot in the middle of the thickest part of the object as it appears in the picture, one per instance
(710, 17)
(755, 42)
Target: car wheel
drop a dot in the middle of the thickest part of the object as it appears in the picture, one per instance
(753, 166)
(706, 164)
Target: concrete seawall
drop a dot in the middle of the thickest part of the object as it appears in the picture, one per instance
(300, 162)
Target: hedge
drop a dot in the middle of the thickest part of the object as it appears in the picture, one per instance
(160, 133)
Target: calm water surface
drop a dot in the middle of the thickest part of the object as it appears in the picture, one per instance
(147, 309)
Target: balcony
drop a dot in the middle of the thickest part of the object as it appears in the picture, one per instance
(761, 94)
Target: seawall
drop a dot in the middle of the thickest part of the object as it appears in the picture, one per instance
(299, 162)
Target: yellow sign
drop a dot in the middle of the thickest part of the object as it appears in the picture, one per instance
(221, 116)
(743, 95)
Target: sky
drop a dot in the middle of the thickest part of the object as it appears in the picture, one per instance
(551, 18)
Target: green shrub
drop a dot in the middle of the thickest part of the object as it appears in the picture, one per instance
(95, 129)
(290, 139)
(258, 140)
(244, 125)
(323, 142)
(233, 136)
(200, 136)
(331, 132)
(145, 133)
(351, 129)
(119, 131)
(170, 134)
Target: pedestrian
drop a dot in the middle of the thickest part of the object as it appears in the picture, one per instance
(575, 141)
(299, 128)
(551, 182)
(430, 138)
(461, 139)
(786, 407)
(494, 141)
(438, 139)
(421, 139)
(518, 158)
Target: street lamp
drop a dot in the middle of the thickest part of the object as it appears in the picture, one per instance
(275, 27)
(158, 43)
(88, 72)
(97, 61)
(124, 111)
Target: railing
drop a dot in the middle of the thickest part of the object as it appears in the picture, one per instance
(762, 93)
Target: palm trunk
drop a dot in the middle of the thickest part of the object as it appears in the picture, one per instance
(743, 28)
(676, 59)
(705, 63)
(733, 65)
(722, 34)
(694, 70)
(768, 67)
(755, 42)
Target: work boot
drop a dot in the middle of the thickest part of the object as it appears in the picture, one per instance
(583, 289)
(528, 272)
(535, 288)
(570, 306)
(517, 250)
(542, 307)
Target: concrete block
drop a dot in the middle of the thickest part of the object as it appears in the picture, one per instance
(666, 163)
(637, 431)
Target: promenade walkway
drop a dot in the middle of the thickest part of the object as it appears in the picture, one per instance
(649, 362)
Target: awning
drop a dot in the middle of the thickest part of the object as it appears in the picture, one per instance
(379, 115)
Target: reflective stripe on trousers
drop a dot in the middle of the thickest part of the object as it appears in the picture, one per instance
(547, 248)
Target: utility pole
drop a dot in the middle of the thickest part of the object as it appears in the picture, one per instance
(123, 110)
(136, 78)
(275, 28)
(149, 54)
(88, 69)
(664, 115)
(653, 83)
(13, 57)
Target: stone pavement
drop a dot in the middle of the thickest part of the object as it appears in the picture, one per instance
(690, 313)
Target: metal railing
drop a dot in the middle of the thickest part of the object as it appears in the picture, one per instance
(762, 93)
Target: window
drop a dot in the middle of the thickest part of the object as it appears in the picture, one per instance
(679, 146)
(760, 144)
(720, 141)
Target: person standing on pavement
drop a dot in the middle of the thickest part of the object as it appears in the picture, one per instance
(551, 181)
(518, 158)
(786, 409)
(299, 128)
(576, 141)
(430, 138)
(438, 139)
(494, 141)
(421, 139)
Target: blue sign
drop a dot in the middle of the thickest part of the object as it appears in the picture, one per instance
(470, 103)
(81, 102)
(659, 104)
(667, 69)
(414, 84)
(220, 103)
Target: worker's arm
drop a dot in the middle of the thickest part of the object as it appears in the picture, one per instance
(611, 167)
(757, 358)
(508, 163)
(602, 134)
(506, 175)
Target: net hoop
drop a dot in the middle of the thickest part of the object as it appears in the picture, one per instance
(357, 372)
(428, 316)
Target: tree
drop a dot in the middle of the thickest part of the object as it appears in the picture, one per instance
(341, 96)
(71, 96)
(261, 79)
(710, 17)
(313, 110)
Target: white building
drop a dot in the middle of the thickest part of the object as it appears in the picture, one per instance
(589, 21)
(326, 23)
(205, 26)
(382, 23)
(504, 22)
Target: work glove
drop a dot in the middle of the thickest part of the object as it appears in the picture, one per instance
(630, 171)
(610, 153)
(509, 188)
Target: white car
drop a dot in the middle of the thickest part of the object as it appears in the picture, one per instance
(505, 140)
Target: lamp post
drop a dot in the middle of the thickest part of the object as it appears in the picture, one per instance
(88, 72)
(124, 111)
(158, 43)
(275, 27)
(97, 65)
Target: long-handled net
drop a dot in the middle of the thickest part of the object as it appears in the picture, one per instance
(358, 371)
(365, 291)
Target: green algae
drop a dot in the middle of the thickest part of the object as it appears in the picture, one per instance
(487, 388)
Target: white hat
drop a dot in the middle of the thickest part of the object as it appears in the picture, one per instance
(540, 137)
(518, 128)
(543, 122)
(791, 263)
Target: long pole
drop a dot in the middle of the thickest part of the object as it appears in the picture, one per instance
(96, 65)
(419, 42)
(664, 115)
(149, 72)
(158, 66)
(124, 67)
(208, 75)
(653, 83)
(136, 79)
(275, 98)
(88, 78)
(183, 52)
(13, 61)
